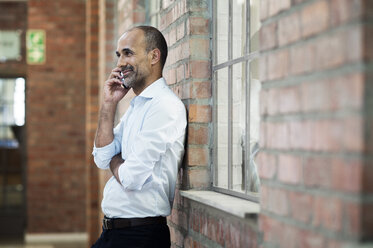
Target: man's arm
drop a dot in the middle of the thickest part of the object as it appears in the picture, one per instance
(115, 162)
(112, 94)
(104, 134)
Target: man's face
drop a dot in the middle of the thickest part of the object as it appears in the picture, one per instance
(132, 58)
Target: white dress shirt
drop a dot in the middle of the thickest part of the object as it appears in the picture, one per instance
(150, 137)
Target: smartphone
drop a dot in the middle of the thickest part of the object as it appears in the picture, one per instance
(122, 80)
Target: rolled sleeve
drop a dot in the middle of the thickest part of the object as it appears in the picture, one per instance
(102, 155)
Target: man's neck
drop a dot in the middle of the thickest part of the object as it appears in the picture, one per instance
(148, 82)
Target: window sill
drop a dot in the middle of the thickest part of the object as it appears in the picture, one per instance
(230, 204)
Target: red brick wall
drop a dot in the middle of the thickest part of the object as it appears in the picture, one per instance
(101, 45)
(56, 174)
(92, 100)
(13, 16)
(316, 179)
(313, 106)
(186, 26)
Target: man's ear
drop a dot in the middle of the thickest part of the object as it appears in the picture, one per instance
(155, 56)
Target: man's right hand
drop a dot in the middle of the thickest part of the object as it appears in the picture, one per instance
(113, 90)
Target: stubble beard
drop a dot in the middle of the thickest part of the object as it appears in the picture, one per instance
(135, 80)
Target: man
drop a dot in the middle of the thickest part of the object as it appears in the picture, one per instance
(144, 150)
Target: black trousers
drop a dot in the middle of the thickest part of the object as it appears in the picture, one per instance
(146, 236)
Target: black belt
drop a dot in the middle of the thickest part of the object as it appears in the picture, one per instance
(114, 223)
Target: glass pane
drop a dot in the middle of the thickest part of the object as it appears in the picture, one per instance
(239, 28)
(254, 25)
(239, 126)
(221, 31)
(221, 169)
(255, 86)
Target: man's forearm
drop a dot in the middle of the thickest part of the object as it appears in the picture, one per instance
(104, 134)
(115, 162)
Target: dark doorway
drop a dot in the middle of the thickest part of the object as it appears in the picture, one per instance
(12, 159)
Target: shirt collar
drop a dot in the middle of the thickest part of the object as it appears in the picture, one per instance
(153, 89)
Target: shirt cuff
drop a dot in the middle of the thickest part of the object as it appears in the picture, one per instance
(103, 155)
(124, 176)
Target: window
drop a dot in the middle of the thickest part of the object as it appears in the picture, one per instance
(153, 10)
(236, 97)
(12, 109)
(12, 120)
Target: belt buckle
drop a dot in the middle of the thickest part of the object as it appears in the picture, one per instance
(106, 223)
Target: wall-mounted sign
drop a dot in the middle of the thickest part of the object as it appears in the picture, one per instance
(10, 45)
(35, 43)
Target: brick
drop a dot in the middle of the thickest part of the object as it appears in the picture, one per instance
(331, 51)
(197, 5)
(277, 201)
(198, 25)
(171, 76)
(347, 91)
(290, 169)
(354, 139)
(198, 135)
(291, 237)
(301, 134)
(215, 230)
(301, 206)
(347, 175)
(276, 6)
(353, 215)
(271, 228)
(185, 90)
(184, 51)
(267, 165)
(176, 236)
(342, 11)
(318, 172)
(328, 213)
(199, 48)
(201, 90)
(263, 70)
(198, 178)
(354, 37)
(289, 29)
(289, 99)
(277, 135)
(311, 25)
(180, 31)
(232, 236)
(199, 113)
(268, 37)
(308, 93)
(197, 156)
(312, 240)
(180, 73)
(198, 69)
(171, 37)
(302, 58)
(278, 64)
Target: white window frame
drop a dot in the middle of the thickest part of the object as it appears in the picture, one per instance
(246, 58)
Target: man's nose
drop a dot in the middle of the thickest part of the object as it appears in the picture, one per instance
(122, 62)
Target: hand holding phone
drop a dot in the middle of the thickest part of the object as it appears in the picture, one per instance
(124, 85)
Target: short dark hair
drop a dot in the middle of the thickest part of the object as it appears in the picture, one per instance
(154, 39)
